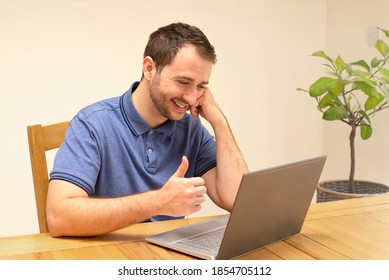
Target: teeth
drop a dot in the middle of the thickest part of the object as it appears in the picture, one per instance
(179, 104)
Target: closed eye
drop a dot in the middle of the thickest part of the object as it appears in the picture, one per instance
(183, 82)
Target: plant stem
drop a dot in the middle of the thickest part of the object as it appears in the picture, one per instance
(352, 155)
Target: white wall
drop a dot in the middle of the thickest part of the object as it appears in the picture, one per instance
(57, 56)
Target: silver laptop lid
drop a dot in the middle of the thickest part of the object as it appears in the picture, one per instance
(271, 205)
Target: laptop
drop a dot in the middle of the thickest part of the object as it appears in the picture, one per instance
(270, 205)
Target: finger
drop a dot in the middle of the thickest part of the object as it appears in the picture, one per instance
(199, 190)
(194, 112)
(181, 170)
(199, 200)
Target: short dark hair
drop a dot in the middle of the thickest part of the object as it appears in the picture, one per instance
(165, 42)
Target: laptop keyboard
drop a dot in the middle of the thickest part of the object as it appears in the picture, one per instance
(207, 243)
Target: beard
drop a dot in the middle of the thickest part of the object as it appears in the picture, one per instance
(160, 100)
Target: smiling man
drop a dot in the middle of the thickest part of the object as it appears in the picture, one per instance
(145, 156)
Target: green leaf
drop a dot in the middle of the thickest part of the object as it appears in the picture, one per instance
(367, 88)
(384, 72)
(323, 55)
(335, 113)
(363, 64)
(348, 69)
(365, 116)
(326, 101)
(382, 47)
(338, 87)
(366, 131)
(375, 62)
(336, 99)
(384, 79)
(339, 63)
(360, 73)
(322, 85)
(372, 102)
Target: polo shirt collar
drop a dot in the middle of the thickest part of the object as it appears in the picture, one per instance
(134, 121)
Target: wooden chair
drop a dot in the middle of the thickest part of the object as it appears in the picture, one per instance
(42, 139)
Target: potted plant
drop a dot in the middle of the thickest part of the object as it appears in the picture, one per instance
(352, 93)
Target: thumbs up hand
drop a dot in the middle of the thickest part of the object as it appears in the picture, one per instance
(182, 196)
(181, 170)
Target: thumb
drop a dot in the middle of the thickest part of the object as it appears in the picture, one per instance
(181, 170)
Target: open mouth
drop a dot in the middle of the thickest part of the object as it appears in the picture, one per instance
(181, 106)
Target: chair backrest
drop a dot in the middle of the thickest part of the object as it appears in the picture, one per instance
(42, 139)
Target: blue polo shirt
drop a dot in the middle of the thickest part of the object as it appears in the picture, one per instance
(110, 151)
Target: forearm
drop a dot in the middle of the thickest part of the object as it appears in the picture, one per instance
(85, 216)
(230, 164)
(71, 212)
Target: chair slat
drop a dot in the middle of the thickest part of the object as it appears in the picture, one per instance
(41, 139)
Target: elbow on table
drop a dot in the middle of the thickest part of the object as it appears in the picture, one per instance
(55, 225)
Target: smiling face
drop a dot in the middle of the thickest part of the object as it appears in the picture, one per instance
(179, 84)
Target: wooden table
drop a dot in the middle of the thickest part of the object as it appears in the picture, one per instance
(348, 229)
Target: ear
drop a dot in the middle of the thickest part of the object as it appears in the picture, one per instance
(148, 67)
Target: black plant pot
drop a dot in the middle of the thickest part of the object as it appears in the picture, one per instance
(339, 189)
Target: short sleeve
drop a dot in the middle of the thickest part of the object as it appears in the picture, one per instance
(78, 158)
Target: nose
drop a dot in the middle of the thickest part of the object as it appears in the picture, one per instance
(191, 96)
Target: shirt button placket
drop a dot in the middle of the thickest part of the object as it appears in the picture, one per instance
(152, 160)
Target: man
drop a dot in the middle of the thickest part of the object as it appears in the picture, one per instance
(141, 156)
